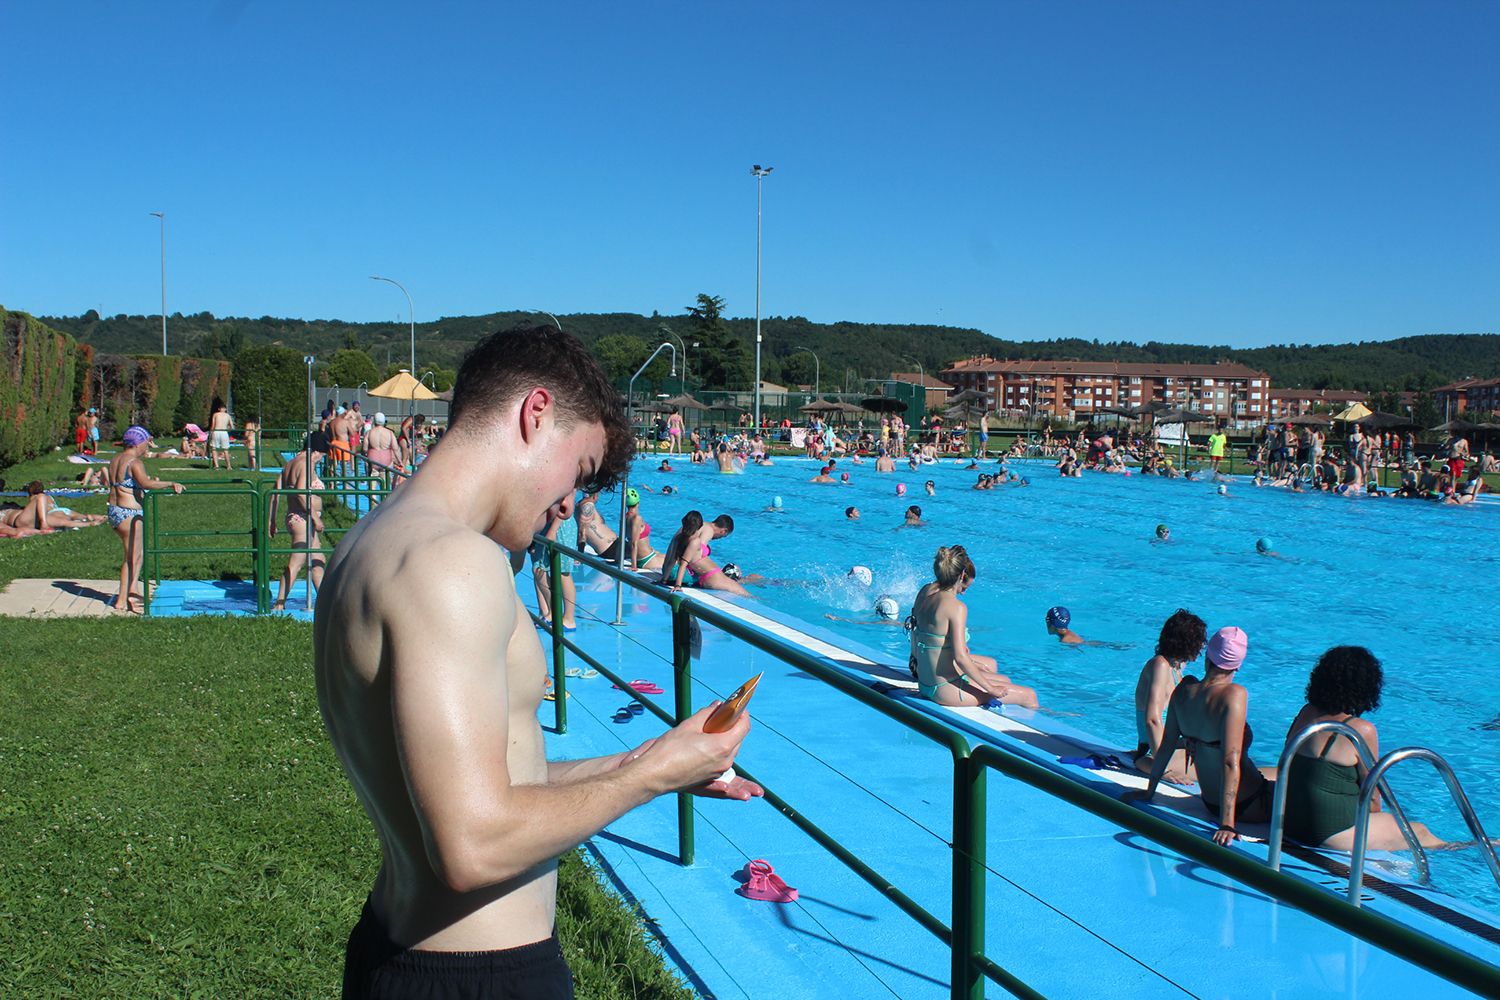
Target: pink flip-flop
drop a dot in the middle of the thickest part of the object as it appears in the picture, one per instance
(640, 686)
(763, 883)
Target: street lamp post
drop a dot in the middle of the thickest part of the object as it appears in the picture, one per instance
(680, 343)
(817, 372)
(163, 217)
(411, 316)
(625, 478)
(759, 172)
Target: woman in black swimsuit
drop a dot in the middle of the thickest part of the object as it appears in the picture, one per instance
(1208, 717)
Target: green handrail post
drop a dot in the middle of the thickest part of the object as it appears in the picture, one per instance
(148, 530)
(258, 539)
(970, 814)
(559, 651)
(682, 690)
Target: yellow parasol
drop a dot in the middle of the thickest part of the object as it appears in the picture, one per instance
(402, 386)
(1356, 411)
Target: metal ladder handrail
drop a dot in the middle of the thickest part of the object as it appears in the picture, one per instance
(1367, 797)
(1283, 768)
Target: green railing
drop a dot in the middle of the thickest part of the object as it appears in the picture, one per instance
(964, 934)
(359, 494)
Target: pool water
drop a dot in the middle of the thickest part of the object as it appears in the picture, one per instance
(1408, 579)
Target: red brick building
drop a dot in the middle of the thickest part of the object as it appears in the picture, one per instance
(1478, 394)
(1078, 389)
(1295, 402)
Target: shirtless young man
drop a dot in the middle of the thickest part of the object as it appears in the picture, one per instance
(219, 424)
(429, 675)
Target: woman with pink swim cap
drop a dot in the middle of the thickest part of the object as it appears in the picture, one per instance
(1208, 717)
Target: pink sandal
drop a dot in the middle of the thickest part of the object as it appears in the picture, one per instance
(763, 883)
(640, 686)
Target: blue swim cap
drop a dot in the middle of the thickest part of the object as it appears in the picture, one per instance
(1058, 617)
(776, 501)
(1263, 545)
(1025, 481)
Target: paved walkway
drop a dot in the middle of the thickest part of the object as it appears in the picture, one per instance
(59, 599)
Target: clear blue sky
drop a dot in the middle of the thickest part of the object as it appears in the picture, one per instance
(1210, 173)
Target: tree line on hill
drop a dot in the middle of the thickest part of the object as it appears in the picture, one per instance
(720, 350)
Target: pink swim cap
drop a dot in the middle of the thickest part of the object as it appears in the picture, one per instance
(844, 476)
(1226, 650)
(901, 489)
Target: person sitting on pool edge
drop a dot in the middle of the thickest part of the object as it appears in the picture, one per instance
(1323, 781)
(1209, 719)
(947, 671)
(688, 555)
(1058, 618)
(1180, 643)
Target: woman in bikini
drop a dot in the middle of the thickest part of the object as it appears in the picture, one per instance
(304, 515)
(128, 473)
(1323, 782)
(947, 671)
(1209, 718)
(689, 551)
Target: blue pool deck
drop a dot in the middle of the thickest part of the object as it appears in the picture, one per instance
(1076, 906)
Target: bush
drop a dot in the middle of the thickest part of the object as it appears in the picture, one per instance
(36, 394)
(272, 381)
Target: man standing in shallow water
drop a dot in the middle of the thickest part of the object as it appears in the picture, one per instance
(429, 676)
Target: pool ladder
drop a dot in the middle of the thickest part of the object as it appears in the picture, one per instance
(1375, 779)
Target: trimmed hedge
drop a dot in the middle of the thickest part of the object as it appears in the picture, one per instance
(273, 381)
(159, 393)
(37, 393)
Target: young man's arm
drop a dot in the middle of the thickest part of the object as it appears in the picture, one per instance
(451, 711)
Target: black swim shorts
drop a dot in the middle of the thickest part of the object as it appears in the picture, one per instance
(376, 968)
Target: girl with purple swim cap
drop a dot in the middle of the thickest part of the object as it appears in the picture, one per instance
(1208, 717)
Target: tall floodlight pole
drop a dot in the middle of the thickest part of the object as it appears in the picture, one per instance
(163, 217)
(411, 313)
(759, 172)
(817, 372)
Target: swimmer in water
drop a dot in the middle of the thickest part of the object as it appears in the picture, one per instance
(776, 507)
(725, 458)
(1263, 547)
(863, 575)
(914, 518)
(1163, 534)
(844, 478)
(901, 489)
(930, 487)
(1057, 624)
(851, 513)
(665, 466)
(885, 463)
(887, 612)
(823, 476)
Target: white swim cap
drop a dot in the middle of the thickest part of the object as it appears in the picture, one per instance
(379, 417)
(863, 574)
(886, 607)
(1223, 490)
(776, 501)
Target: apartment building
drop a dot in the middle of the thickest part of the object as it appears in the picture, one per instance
(1075, 390)
(1481, 395)
(1296, 402)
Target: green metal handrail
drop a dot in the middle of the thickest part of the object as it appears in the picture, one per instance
(152, 535)
(965, 937)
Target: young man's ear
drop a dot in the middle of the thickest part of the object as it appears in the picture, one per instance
(535, 405)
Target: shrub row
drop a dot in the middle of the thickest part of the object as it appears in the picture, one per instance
(36, 394)
(162, 394)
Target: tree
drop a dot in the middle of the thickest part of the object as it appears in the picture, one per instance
(722, 364)
(351, 366)
(620, 354)
(799, 369)
(274, 380)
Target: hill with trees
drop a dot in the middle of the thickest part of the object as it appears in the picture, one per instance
(720, 350)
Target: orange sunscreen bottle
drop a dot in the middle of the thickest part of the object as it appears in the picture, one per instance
(728, 713)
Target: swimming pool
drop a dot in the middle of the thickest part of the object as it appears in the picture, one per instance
(1405, 578)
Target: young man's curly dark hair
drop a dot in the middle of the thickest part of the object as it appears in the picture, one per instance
(1347, 680)
(506, 364)
(1183, 637)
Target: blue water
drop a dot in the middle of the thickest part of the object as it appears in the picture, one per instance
(1408, 579)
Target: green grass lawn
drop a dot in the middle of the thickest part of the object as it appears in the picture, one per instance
(173, 822)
